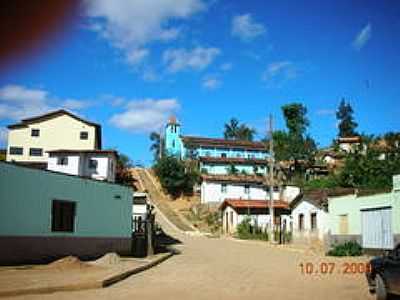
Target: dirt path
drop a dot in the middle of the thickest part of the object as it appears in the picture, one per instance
(226, 269)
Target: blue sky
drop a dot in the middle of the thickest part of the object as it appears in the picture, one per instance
(130, 64)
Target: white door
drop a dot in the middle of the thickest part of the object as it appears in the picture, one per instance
(377, 228)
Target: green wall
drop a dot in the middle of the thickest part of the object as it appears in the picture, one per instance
(352, 205)
(102, 209)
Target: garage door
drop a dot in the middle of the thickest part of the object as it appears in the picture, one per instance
(377, 228)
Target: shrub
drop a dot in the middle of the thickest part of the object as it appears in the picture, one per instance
(351, 248)
(246, 231)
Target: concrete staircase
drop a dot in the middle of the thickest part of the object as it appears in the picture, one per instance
(150, 184)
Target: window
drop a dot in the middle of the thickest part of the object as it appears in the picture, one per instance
(35, 151)
(62, 160)
(16, 150)
(223, 155)
(208, 153)
(247, 189)
(301, 222)
(223, 188)
(35, 132)
(63, 216)
(84, 135)
(92, 164)
(343, 224)
(313, 221)
(173, 143)
(276, 188)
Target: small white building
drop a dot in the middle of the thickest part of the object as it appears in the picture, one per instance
(234, 211)
(96, 164)
(217, 188)
(310, 217)
(349, 144)
(140, 206)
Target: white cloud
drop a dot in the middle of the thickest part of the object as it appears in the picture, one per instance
(245, 28)
(226, 67)
(143, 116)
(279, 72)
(362, 37)
(211, 82)
(131, 25)
(182, 59)
(3, 136)
(19, 102)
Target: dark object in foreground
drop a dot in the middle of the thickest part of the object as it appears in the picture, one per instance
(384, 278)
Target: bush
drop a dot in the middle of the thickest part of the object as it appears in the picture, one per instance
(246, 231)
(351, 248)
(175, 177)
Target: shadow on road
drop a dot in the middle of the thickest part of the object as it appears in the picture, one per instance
(165, 242)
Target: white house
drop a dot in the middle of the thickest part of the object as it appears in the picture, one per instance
(30, 140)
(96, 164)
(349, 144)
(217, 188)
(310, 216)
(234, 211)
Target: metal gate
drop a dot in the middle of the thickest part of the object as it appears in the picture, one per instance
(377, 228)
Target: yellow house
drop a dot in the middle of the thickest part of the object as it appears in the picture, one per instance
(29, 140)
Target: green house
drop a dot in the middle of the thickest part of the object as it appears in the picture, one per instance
(371, 220)
(46, 215)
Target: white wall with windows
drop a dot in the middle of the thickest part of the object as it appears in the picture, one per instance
(94, 165)
(309, 221)
(219, 191)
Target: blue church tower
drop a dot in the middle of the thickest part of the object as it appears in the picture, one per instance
(173, 141)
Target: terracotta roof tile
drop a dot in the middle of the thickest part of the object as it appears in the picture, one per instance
(222, 143)
(239, 203)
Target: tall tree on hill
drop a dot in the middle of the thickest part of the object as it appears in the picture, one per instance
(347, 125)
(298, 144)
(236, 131)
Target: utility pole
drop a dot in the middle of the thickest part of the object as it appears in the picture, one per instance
(271, 179)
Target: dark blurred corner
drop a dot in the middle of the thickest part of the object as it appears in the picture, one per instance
(26, 26)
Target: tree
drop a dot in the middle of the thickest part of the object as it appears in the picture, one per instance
(298, 144)
(235, 131)
(156, 145)
(123, 173)
(175, 177)
(295, 115)
(347, 125)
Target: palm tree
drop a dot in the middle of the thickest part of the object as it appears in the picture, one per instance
(245, 133)
(156, 144)
(231, 128)
(235, 131)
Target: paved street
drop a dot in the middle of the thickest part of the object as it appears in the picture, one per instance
(226, 269)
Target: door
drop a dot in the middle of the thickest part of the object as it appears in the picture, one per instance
(376, 228)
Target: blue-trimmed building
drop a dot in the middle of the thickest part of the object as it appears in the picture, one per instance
(216, 156)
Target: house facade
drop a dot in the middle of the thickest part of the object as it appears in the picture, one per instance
(371, 220)
(310, 217)
(235, 211)
(96, 164)
(46, 215)
(218, 188)
(216, 156)
(30, 140)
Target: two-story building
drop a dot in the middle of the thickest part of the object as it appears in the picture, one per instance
(30, 140)
(216, 156)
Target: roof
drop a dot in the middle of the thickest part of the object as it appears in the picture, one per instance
(350, 139)
(235, 160)
(319, 197)
(173, 120)
(239, 178)
(222, 143)
(239, 203)
(54, 114)
(91, 151)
